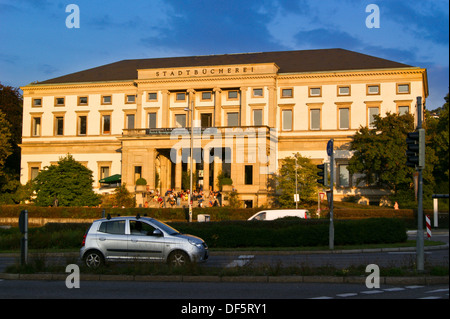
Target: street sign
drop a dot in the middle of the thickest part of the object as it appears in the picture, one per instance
(330, 147)
(296, 197)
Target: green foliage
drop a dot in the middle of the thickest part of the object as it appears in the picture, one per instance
(123, 198)
(141, 181)
(379, 156)
(282, 184)
(69, 183)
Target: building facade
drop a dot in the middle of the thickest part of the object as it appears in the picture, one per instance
(132, 119)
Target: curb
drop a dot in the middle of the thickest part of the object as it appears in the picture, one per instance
(423, 280)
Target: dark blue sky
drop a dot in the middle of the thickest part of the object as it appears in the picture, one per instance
(36, 45)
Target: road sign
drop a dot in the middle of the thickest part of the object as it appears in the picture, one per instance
(330, 147)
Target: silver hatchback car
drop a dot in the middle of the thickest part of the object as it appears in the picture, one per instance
(139, 238)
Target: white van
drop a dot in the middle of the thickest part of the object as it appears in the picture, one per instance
(279, 213)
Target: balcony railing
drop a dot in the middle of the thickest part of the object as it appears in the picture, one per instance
(236, 130)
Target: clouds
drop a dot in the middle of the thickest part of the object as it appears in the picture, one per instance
(39, 46)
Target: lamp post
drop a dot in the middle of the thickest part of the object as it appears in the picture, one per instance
(191, 114)
(296, 189)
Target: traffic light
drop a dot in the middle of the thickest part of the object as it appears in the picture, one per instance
(323, 172)
(415, 153)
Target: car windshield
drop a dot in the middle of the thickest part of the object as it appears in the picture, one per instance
(164, 227)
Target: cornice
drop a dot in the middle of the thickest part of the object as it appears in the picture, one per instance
(355, 73)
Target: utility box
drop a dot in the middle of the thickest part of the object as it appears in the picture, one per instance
(201, 218)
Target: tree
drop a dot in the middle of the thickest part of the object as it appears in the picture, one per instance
(123, 198)
(379, 156)
(5, 145)
(438, 131)
(68, 183)
(282, 184)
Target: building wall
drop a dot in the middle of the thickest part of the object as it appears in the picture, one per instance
(262, 89)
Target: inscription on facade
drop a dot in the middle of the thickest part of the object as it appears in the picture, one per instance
(221, 70)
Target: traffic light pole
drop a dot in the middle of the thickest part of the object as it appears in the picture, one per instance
(419, 243)
(331, 235)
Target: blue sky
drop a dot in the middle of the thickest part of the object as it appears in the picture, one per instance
(36, 45)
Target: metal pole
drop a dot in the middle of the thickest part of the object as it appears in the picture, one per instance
(192, 159)
(296, 191)
(331, 197)
(420, 244)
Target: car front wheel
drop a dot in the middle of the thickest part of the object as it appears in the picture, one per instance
(93, 259)
(178, 258)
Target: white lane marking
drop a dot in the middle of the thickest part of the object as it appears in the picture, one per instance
(371, 292)
(322, 297)
(394, 289)
(413, 287)
(241, 261)
(350, 294)
(437, 290)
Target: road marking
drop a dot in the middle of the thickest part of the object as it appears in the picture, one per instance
(431, 297)
(241, 261)
(371, 292)
(350, 294)
(413, 287)
(322, 297)
(437, 290)
(394, 289)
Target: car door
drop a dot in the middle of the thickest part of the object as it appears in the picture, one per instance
(143, 243)
(112, 239)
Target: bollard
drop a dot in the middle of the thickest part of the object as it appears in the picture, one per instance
(427, 220)
(23, 227)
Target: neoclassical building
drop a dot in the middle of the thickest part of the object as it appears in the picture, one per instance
(133, 118)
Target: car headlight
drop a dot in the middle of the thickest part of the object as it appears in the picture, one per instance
(196, 244)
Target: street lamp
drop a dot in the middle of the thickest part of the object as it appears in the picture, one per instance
(296, 190)
(191, 114)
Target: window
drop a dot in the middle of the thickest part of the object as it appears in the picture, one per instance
(153, 96)
(130, 121)
(344, 176)
(82, 125)
(372, 112)
(104, 172)
(257, 117)
(106, 124)
(36, 126)
(315, 119)
(286, 93)
(402, 110)
(106, 99)
(139, 228)
(343, 90)
(151, 120)
(82, 100)
(59, 126)
(137, 173)
(233, 119)
(180, 120)
(233, 95)
(59, 101)
(37, 102)
(116, 227)
(206, 119)
(206, 96)
(373, 90)
(130, 99)
(257, 92)
(180, 96)
(344, 118)
(34, 171)
(315, 92)
(248, 178)
(403, 88)
(286, 118)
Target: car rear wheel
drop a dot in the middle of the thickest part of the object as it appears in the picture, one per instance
(93, 259)
(178, 258)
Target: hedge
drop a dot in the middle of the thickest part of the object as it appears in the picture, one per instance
(233, 234)
(296, 233)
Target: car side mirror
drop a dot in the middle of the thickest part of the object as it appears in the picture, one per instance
(157, 233)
